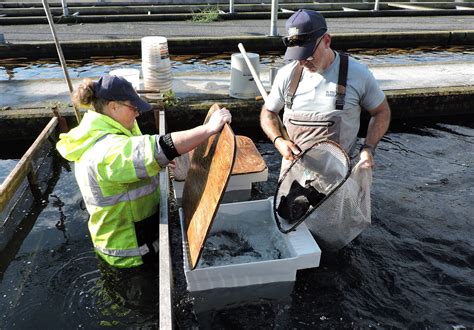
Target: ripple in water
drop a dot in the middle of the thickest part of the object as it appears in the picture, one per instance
(412, 268)
(104, 297)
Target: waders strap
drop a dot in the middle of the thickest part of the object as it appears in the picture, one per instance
(295, 81)
(342, 81)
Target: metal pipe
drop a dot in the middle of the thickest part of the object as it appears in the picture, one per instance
(65, 8)
(274, 19)
(376, 5)
(61, 57)
(231, 6)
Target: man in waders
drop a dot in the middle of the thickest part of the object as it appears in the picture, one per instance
(322, 93)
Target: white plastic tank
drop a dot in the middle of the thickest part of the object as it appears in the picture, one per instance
(156, 65)
(242, 84)
(131, 75)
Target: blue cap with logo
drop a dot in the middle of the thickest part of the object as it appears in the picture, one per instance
(114, 88)
(304, 28)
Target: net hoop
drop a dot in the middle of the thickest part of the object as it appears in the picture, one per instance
(329, 194)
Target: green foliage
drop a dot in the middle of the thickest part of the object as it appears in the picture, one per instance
(206, 15)
(170, 99)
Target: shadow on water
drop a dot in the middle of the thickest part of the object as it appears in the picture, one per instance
(29, 206)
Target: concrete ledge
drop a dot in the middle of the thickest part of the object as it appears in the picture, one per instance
(427, 103)
(235, 16)
(57, 3)
(116, 9)
(182, 46)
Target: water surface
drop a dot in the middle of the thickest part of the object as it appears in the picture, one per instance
(95, 66)
(412, 268)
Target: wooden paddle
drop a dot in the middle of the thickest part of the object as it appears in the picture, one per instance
(205, 185)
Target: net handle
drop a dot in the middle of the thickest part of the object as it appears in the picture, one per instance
(310, 210)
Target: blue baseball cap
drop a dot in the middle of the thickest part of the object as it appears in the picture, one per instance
(114, 88)
(304, 28)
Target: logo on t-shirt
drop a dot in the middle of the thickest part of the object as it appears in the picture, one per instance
(330, 93)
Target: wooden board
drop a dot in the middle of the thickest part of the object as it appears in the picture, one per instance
(247, 160)
(205, 185)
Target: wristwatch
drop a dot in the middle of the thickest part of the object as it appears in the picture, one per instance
(370, 147)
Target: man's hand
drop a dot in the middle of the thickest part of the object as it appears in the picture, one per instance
(287, 149)
(367, 158)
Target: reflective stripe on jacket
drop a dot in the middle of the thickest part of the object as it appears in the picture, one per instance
(117, 172)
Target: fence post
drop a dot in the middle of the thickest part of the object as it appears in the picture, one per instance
(376, 5)
(231, 6)
(274, 19)
(65, 9)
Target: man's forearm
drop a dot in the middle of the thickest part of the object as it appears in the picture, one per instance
(378, 124)
(269, 123)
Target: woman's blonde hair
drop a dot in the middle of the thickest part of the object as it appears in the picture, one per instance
(84, 96)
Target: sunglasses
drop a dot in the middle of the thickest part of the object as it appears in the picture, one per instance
(314, 49)
(134, 108)
(300, 40)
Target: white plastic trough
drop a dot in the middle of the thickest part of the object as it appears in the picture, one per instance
(254, 222)
(238, 189)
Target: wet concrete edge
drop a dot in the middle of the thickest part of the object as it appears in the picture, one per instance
(200, 45)
(413, 104)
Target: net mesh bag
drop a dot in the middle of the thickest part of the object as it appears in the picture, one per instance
(320, 189)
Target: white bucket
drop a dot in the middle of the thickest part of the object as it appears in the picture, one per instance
(156, 65)
(131, 75)
(242, 84)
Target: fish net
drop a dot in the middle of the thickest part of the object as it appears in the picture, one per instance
(322, 189)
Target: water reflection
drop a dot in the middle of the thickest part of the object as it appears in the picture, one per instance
(19, 69)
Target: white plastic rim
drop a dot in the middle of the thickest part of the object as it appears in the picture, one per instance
(154, 50)
(158, 86)
(156, 69)
(156, 65)
(156, 77)
(237, 61)
(131, 75)
(242, 84)
(153, 40)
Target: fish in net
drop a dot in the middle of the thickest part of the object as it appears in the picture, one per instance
(321, 188)
(308, 182)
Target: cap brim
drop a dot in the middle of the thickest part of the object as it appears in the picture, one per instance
(141, 105)
(300, 52)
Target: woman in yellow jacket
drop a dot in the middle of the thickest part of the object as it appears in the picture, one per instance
(117, 167)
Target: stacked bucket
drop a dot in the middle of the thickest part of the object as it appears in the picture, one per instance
(156, 65)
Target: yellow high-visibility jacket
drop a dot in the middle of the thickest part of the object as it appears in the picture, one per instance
(117, 172)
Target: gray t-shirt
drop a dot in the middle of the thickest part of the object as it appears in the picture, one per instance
(317, 91)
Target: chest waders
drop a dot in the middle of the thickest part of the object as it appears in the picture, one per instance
(305, 128)
(323, 170)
